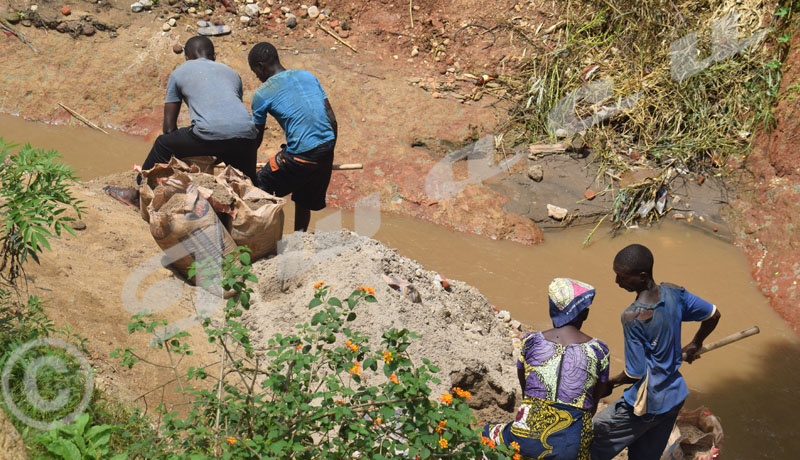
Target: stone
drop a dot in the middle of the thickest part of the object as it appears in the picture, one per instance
(192, 10)
(11, 17)
(270, 2)
(250, 2)
(177, 49)
(137, 7)
(214, 30)
(146, 4)
(536, 173)
(26, 23)
(589, 194)
(65, 10)
(291, 21)
(504, 316)
(252, 10)
(313, 12)
(334, 24)
(414, 51)
(34, 8)
(266, 10)
(172, 22)
(62, 27)
(203, 23)
(244, 19)
(285, 9)
(344, 33)
(165, 27)
(516, 325)
(218, 21)
(79, 224)
(556, 212)
(88, 31)
(208, 12)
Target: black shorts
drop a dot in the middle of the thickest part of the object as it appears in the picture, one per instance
(307, 180)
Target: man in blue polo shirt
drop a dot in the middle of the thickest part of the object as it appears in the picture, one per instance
(297, 101)
(643, 418)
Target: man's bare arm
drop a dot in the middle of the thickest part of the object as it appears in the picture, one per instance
(706, 327)
(332, 118)
(171, 111)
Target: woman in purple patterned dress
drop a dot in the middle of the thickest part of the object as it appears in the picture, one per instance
(562, 372)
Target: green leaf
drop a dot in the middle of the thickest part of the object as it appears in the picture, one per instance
(335, 302)
(64, 449)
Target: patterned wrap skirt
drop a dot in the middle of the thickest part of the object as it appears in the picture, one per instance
(546, 430)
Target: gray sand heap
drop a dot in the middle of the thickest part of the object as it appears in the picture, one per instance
(460, 332)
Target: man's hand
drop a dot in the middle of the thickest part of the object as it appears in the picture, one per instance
(690, 351)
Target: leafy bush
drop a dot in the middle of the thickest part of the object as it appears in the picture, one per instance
(34, 194)
(322, 392)
(78, 441)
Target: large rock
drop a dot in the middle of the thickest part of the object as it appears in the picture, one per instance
(10, 441)
(313, 12)
(214, 30)
(536, 173)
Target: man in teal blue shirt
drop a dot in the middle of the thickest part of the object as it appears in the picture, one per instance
(297, 101)
(643, 418)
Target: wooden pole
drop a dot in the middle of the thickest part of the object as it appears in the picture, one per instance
(82, 119)
(342, 167)
(735, 337)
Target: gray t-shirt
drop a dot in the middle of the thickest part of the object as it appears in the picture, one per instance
(213, 92)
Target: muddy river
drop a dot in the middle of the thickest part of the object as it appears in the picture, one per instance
(751, 385)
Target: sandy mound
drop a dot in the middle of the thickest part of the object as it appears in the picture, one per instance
(460, 332)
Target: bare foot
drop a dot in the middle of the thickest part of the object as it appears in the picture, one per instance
(129, 196)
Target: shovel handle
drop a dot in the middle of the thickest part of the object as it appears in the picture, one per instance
(735, 337)
(342, 167)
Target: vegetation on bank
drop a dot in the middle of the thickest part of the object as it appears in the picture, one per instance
(695, 124)
(324, 391)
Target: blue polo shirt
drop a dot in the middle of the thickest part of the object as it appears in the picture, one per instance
(296, 99)
(653, 345)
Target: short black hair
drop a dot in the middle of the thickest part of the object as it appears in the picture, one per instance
(199, 45)
(263, 52)
(635, 258)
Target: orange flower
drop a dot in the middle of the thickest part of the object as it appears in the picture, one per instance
(299, 346)
(351, 345)
(365, 289)
(462, 393)
(340, 402)
(319, 285)
(231, 441)
(387, 356)
(491, 444)
(515, 446)
(443, 443)
(446, 398)
(517, 456)
(484, 440)
(393, 378)
(377, 422)
(443, 424)
(356, 369)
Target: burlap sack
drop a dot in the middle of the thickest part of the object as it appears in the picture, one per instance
(701, 433)
(186, 228)
(172, 177)
(257, 219)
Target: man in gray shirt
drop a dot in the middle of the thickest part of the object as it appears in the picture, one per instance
(221, 125)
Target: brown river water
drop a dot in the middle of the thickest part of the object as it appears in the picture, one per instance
(751, 385)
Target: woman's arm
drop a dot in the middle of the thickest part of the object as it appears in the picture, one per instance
(521, 377)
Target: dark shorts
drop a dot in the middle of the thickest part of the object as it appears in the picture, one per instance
(183, 142)
(306, 179)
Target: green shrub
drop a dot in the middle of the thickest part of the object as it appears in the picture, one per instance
(34, 194)
(321, 392)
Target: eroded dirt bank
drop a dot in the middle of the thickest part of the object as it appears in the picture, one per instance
(768, 214)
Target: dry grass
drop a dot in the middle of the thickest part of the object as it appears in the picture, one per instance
(682, 128)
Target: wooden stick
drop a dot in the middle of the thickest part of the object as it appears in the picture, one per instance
(333, 34)
(81, 118)
(735, 337)
(342, 167)
(411, 12)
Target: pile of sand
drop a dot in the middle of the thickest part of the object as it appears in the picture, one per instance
(460, 332)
